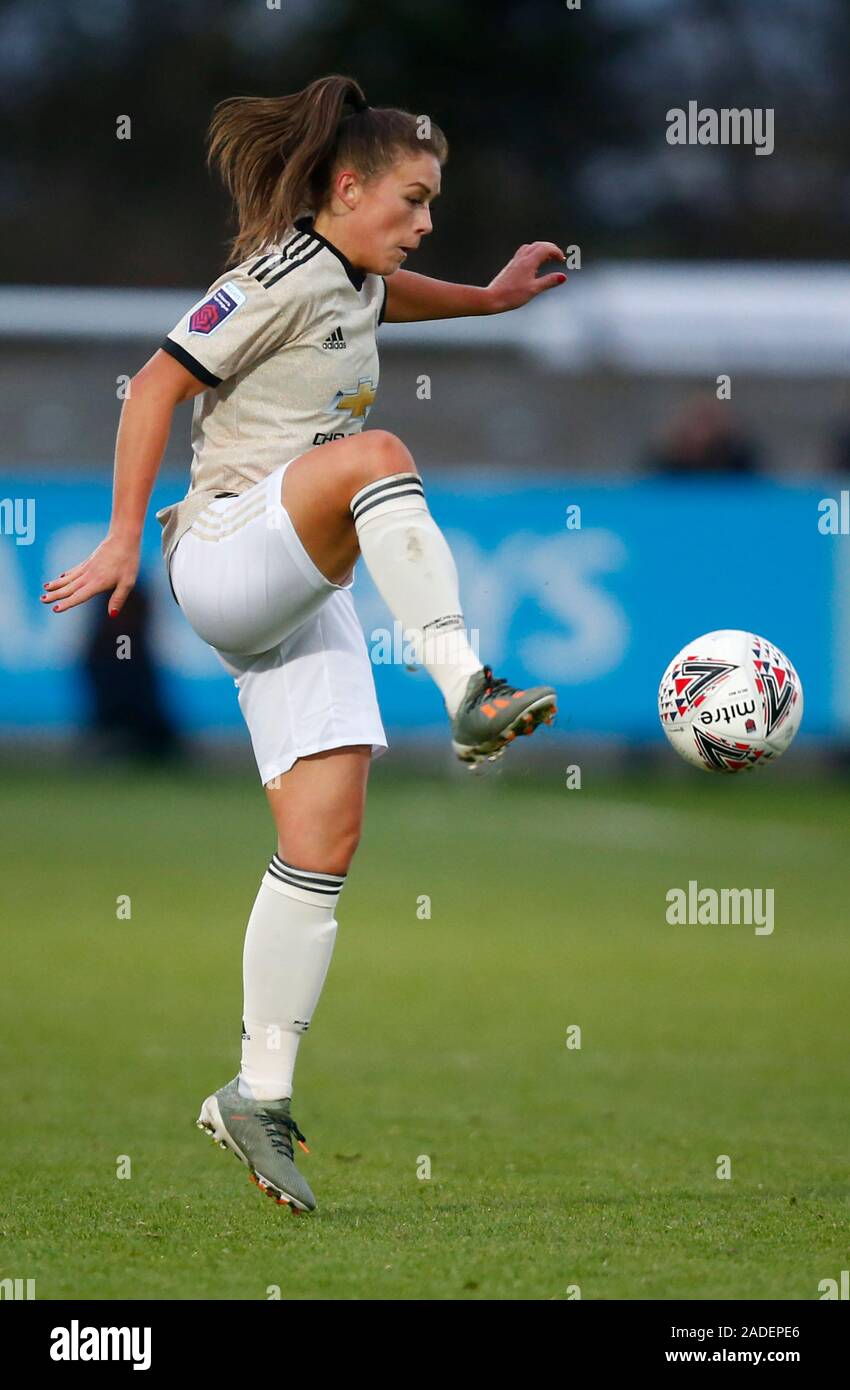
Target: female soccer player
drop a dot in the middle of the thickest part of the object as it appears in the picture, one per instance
(286, 490)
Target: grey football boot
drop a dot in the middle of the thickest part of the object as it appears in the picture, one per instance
(492, 713)
(259, 1132)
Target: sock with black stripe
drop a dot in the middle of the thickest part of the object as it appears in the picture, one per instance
(288, 947)
(414, 571)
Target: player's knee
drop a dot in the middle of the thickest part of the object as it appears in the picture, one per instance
(381, 455)
(344, 848)
(326, 851)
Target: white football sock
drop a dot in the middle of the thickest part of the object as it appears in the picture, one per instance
(288, 948)
(414, 572)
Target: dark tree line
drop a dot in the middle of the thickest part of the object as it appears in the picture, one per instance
(556, 120)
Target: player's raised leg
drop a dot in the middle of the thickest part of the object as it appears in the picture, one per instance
(363, 495)
(318, 812)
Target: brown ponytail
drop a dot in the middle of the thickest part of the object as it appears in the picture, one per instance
(276, 155)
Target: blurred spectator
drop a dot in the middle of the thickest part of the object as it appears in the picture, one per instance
(704, 438)
(128, 714)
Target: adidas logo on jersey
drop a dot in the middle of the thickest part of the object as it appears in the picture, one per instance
(335, 340)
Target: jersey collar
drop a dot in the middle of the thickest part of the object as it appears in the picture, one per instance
(354, 273)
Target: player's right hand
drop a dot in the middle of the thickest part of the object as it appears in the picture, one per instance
(113, 565)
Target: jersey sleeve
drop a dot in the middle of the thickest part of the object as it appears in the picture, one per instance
(237, 323)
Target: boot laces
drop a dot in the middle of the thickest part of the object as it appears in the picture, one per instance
(280, 1129)
(493, 685)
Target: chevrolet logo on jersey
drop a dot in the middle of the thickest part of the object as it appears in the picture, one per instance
(357, 402)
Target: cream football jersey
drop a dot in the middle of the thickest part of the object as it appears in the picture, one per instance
(286, 344)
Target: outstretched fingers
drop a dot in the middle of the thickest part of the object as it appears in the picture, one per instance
(62, 591)
(66, 575)
(111, 568)
(70, 594)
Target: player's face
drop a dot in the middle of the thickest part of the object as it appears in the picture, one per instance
(393, 213)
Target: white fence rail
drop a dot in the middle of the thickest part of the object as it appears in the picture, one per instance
(684, 319)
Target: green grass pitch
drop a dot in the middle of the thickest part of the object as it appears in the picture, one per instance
(441, 1037)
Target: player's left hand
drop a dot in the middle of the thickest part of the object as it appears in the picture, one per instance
(519, 282)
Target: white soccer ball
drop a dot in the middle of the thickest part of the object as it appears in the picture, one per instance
(730, 701)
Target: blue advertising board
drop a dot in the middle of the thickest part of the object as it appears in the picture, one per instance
(593, 588)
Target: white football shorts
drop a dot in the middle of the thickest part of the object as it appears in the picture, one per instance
(290, 638)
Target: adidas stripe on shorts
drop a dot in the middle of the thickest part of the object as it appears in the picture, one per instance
(290, 638)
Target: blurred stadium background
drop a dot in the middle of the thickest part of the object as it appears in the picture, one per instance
(697, 512)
